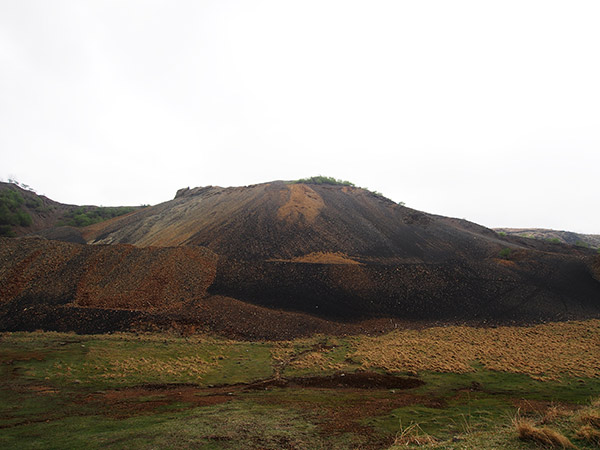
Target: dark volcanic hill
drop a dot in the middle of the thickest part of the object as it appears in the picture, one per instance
(285, 221)
(281, 259)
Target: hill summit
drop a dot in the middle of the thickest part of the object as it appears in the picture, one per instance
(282, 220)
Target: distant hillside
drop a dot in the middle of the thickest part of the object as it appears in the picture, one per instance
(554, 236)
(24, 212)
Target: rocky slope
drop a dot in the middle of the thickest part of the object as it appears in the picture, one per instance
(286, 221)
(61, 286)
(280, 259)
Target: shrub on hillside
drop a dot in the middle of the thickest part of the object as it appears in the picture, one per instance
(337, 182)
(324, 180)
(34, 202)
(11, 212)
(86, 215)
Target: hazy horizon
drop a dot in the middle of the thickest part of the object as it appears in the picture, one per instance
(487, 112)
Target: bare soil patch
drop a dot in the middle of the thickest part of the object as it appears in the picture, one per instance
(129, 402)
(347, 418)
(303, 204)
(357, 380)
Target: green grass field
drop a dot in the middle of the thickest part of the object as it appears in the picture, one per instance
(161, 391)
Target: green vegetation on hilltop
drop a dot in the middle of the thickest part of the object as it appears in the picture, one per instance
(88, 215)
(12, 212)
(324, 180)
(336, 182)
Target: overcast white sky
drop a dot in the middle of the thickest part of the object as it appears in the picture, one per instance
(484, 110)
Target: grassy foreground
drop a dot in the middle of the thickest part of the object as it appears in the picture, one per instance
(164, 391)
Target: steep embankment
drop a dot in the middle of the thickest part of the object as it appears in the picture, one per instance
(38, 276)
(62, 286)
(528, 288)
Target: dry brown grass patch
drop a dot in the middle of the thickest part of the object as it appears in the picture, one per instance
(413, 435)
(315, 361)
(589, 433)
(569, 349)
(590, 417)
(304, 354)
(589, 420)
(545, 436)
(121, 369)
(553, 413)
